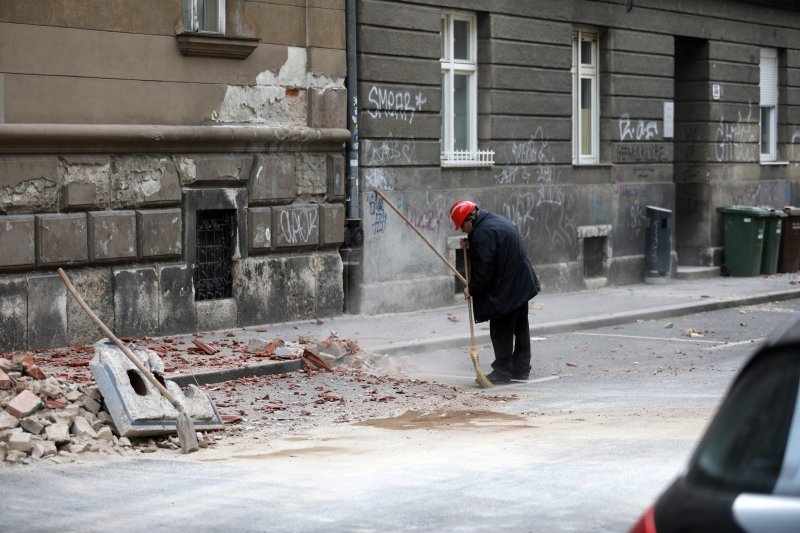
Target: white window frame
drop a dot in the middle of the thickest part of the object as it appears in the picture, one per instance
(768, 85)
(581, 71)
(193, 9)
(450, 66)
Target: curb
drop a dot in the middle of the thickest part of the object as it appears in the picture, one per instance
(460, 341)
(599, 321)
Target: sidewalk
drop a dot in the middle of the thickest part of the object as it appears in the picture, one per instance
(447, 327)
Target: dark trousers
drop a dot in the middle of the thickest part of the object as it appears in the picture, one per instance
(511, 340)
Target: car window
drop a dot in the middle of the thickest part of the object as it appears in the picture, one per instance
(744, 447)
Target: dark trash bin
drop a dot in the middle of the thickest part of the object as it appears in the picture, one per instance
(789, 256)
(772, 240)
(657, 245)
(743, 239)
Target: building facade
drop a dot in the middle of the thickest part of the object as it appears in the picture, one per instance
(198, 164)
(182, 160)
(570, 117)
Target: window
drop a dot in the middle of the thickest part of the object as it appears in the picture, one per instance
(769, 103)
(459, 93)
(585, 108)
(207, 15)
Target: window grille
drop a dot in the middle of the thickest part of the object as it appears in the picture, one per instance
(213, 275)
(467, 158)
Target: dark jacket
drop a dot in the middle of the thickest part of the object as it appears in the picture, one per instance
(501, 275)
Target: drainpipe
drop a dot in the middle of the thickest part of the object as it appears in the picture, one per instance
(352, 114)
(352, 251)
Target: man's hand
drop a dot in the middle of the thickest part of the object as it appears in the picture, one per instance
(464, 243)
(466, 293)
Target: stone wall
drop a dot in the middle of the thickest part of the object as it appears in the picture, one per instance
(120, 127)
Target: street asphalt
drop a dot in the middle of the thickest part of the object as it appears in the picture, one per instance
(447, 327)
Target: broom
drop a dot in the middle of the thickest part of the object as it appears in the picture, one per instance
(481, 378)
(184, 424)
(483, 381)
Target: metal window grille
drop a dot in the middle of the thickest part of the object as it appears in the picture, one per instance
(213, 276)
(467, 158)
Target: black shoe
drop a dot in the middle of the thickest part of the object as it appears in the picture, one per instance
(496, 378)
(521, 377)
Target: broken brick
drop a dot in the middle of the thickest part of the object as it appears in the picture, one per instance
(5, 381)
(24, 404)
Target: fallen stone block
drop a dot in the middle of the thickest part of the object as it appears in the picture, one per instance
(24, 404)
(104, 433)
(8, 421)
(31, 425)
(15, 456)
(20, 441)
(82, 428)
(76, 447)
(5, 381)
(74, 396)
(5, 364)
(58, 432)
(43, 448)
(91, 405)
(136, 406)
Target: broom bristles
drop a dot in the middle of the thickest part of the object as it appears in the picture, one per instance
(481, 378)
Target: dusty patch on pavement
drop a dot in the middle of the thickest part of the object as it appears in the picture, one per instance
(447, 420)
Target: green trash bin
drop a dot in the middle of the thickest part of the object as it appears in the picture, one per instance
(772, 240)
(743, 239)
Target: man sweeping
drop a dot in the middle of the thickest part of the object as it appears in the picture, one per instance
(502, 282)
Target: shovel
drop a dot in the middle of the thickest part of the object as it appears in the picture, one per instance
(184, 425)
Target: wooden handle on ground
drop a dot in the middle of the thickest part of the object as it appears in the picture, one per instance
(135, 360)
(423, 237)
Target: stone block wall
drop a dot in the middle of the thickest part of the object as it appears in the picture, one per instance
(132, 258)
(106, 163)
(525, 114)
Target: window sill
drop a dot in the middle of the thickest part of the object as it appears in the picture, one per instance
(214, 45)
(774, 163)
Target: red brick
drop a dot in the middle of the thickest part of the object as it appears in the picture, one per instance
(24, 404)
(5, 381)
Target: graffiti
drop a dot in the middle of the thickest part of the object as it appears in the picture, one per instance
(429, 217)
(396, 104)
(637, 217)
(532, 158)
(384, 152)
(641, 131)
(520, 210)
(736, 141)
(380, 178)
(377, 214)
(298, 226)
(637, 153)
(508, 175)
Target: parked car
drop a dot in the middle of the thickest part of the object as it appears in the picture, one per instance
(745, 473)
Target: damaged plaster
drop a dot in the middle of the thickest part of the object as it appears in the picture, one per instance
(276, 100)
(137, 181)
(32, 194)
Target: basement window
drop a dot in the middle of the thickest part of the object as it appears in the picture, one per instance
(594, 257)
(213, 273)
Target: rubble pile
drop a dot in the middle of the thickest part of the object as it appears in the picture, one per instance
(42, 417)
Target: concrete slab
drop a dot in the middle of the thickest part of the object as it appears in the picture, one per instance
(136, 406)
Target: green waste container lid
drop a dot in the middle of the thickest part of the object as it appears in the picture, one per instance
(745, 210)
(775, 213)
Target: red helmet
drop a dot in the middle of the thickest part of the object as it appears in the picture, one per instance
(460, 210)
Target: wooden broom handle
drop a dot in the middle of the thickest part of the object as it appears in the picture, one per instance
(135, 360)
(423, 237)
